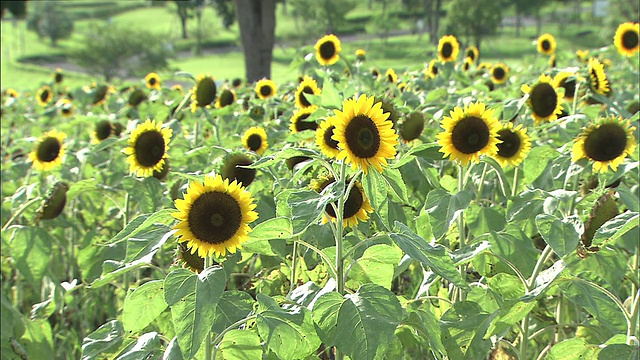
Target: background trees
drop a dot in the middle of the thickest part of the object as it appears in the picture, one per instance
(50, 22)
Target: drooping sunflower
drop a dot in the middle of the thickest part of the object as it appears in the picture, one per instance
(514, 146)
(568, 81)
(306, 86)
(65, 106)
(544, 100)
(50, 151)
(448, 48)
(469, 133)
(152, 80)
(136, 97)
(499, 73)
(361, 55)
(328, 50)
(626, 38)
(324, 137)
(265, 88)
(189, 260)
(44, 95)
(162, 173)
(148, 146)
(58, 76)
(472, 53)
(412, 126)
(606, 142)
(546, 44)
(364, 136)
(255, 139)
(232, 169)
(299, 123)
(598, 78)
(227, 97)
(53, 205)
(203, 93)
(552, 60)
(101, 94)
(214, 216)
(356, 208)
(432, 69)
(391, 76)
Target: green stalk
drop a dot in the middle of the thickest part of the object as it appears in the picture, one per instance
(294, 265)
(481, 185)
(516, 175)
(632, 325)
(126, 221)
(207, 341)
(18, 212)
(339, 233)
(461, 236)
(529, 285)
(324, 257)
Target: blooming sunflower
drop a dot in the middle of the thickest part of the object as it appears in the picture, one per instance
(544, 100)
(472, 53)
(214, 216)
(514, 146)
(606, 142)
(499, 73)
(361, 55)
(148, 146)
(307, 86)
(255, 139)
(546, 44)
(324, 137)
(189, 260)
(568, 81)
(232, 169)
(227, 97)
(391, 76)
(412, 126)
(204, 93)
(626, 38)
(328, 50)
(364, 136)
(299, 123)
(599, 82)
(44, 95)
(466, 64)
(12, 93)
(50, 151)
(432, 69)
(375, 73)
(265, 88)
(356, 207)
(583, 55)
(65, 106)
(152, 80)
(469, 133)
(448, 48)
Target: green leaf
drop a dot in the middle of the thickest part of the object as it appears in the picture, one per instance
(38, 338)
(172, 352)
(435, 257)
(573, 349)
(232, 306)
(367, 322)
(561, 235)
(428, 151)
(31, 251)
(469, 252)
(502, 177)
(509, 315)
(513, 245)
(330, 97)
(143, 222)
(290, 335)
(445, 208)
(325, 315)
(11, 322)
(375, 266)
(143, 305)
(306, 208)
(79, 187)
(240, 345)
(619, 352)
(193, 300)
(463, 327)
(615, 228)
(544, 280)
(144, 192)
(482, 219)
(268, 236)
(536, 161)
(375, 188)
(106, 339)
(596, 302)
(435, 94)
(147, 346)
(280, 156)
(393, 178)
(426, 326)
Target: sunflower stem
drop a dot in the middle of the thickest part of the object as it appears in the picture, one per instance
(516, 175)
(461, 225)
(18, 212)
(207, 342)
(339, 233)
(632, 325)
(481, 185)
(294, 264)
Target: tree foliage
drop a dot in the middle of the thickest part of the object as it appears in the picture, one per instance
(49, 21)
(18, 8)
(474, 19)
(324, 16)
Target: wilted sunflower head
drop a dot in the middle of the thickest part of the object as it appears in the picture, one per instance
(50, 151)
(136, 97)
(472, 53)
(598, 78)
(546, 44)
(214, 216)
(299, 123)
(356, 208)
(58, 76)
(391, 76)
(412, 126)
(499, 73)
(54, 203)
(626, 38)
(361, 55)
(328, 50)
(152, 80)
(204, 93)
(233, 170)
(514, 145)
(44, 95)
(148, 146)
(469, 133)
(307, 86)
(544, 100)
(448, 48)
(606, 142)
(100, 94)
(265, 88)
(227, 97)
(255, 139)
(324, 137)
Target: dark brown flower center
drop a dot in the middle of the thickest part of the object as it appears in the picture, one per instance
(569, 87)
(226, 98)
(543, 99)
(215, 217)
(150, 148)
(447, 50)
(606, 142)
(232, 170)
(302, 125)
(44, 95)
(499, 73)
(302, 98)
(327, 50)
(352, 205)
(328, 140)
(48, 149)
(206, 91)
(254, 142)
(362, 136)
(470, 135)
(546, 45)
(630, 40)
(510, 144)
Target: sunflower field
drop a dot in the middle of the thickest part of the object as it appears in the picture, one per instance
(465, 210)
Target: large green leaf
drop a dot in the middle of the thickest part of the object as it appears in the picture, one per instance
(615, 228)
(325, 315)
(619, 352)
(31, 251)
(144, 192)
(375, 188)
(143, 305)
(106, 339)
(172, 352)
(463, 327)
(147, 346)
(561, 235)
(426, 326)
(573, 349)
(306, 208)
(240, 345)
(280, 156)
(508, 315)
(375, 266)
(38, 338)
(544, 280)
(394, 180)
(445, 208)
(193, 300)
(232, 306)
(535, 163)
(596, 302)
(143, 222)
(482, 219)
(12, 325)
(267, 238)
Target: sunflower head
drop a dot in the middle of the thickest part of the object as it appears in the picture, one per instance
(391, 76)
(472, 53)
(148, 146)
(361, 55)
(12, 93)
(295, 160)
(257, 113)
(324, 137)
(44, 95)
(255, 139)
(328, 50)
(65, 106)
(58, 76)
(606, 142)
(546, 44)
(469, 133)
(54, 203)
(432, 69)
(499, 73)
(136, 97)
(233, 171)
(365, 137)
(374, 73)
(188, 259)
(204, 93)
(466, 64)
(544, 100)
(100, 94)
(567, 81)
(265, 88)
(626, 38)
(514, 145)
(214, 216)
(448, 48)
(598, 79)
(152, 80)
(388, 107)
(307, 86)
(50, 151)
(227, 97)
(552, 60)
(412, 126)
(356, 207)
(163, 172)
(236, 83)
(299, 121)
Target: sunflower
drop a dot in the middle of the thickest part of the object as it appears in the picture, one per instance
(189, 260)
(583, 55)
(356, 207)
(214, 216)
(552, 60)
(50, 151)
(204, 93)
(255, 139)
(466, 64)
(375, 73)
(152, 80)
(599, 83)
(295, 160)
(307, 86)
(412, 126)
(324, 137)
(626, 38)
(328, 50)
(236, 83)
(44, 95)
(298, 122)
(54, 203)
(58, 76)
(391, 76)
(499, 73)
(364, 136)
(606, 142)
(233, 171)
(257, 113)
(136, 97)
(100, 94)
(448, 48)
(514, 146)
(162, 173)
(265, 89)
(178, 88)
(469, 133)
(227, 97)
(472, 53)
(432, 69)
(361, 55)
(12, 93)
(567, 81)
(148, 146)
(65, 106)
(546, 44)
(544, 100)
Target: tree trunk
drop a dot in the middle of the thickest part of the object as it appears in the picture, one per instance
(183, 21)
(257, 20)
(436, 23)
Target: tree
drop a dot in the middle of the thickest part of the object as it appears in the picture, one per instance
(474, 19)
(18, 9)
(326, 16)
(49, 21)
(257, 20)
